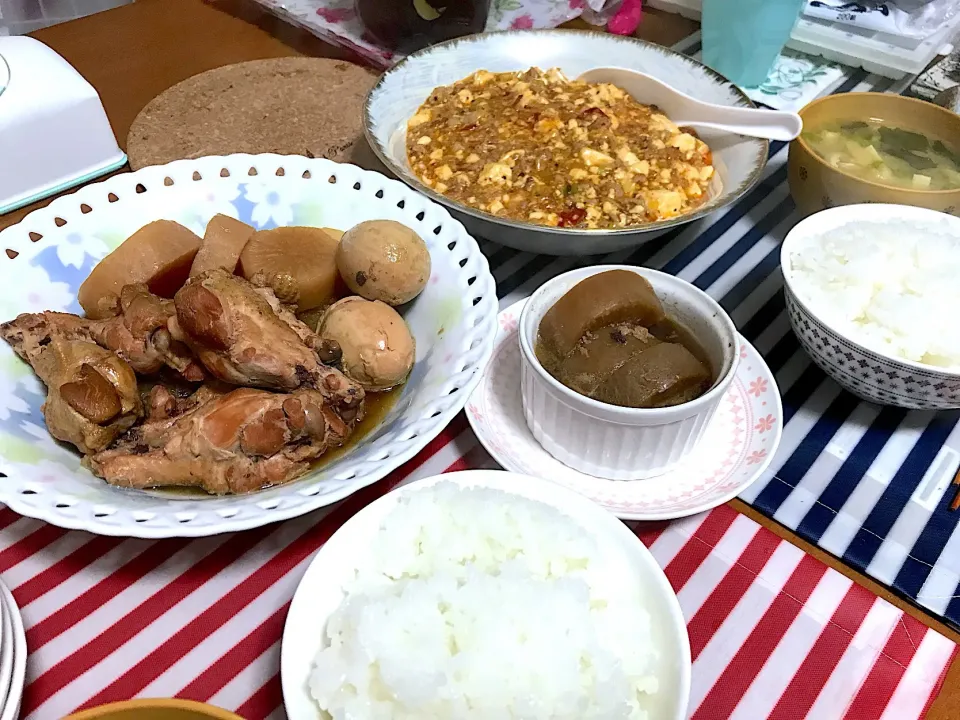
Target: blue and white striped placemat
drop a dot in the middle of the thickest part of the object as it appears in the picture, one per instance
(869, 484)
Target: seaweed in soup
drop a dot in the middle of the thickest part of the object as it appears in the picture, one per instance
(887, 154)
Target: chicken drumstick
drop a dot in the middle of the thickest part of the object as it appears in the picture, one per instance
(136, 330)
(92, 394)
(236, 442)
(244, 336)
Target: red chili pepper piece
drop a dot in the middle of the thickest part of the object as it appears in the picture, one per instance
(571, 217)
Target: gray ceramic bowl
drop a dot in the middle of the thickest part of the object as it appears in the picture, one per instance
(401, 90)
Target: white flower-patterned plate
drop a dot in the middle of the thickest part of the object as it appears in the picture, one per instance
(51, 251)
(734, 452)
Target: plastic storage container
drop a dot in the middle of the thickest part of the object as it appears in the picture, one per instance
(54, 133)
(880, 53)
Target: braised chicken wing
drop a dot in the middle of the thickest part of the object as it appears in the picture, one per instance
(235, 442)
(92, 394)
(135, 327)
(244, 336)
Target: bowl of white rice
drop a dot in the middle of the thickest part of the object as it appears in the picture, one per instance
(873, 295)
(484, 595)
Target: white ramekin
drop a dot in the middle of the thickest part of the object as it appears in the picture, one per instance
(615, 442)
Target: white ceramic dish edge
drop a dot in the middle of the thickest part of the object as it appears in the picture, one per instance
(11, 707)
(320, 590)
(7, 644)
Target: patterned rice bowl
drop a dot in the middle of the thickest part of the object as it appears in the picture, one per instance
(867, 373)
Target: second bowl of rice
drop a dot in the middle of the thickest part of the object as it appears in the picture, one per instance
(872, 296)
(485, 594)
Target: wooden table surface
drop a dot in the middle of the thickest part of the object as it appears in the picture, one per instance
(134, 52)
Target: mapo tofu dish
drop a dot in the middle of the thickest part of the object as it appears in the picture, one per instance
(536, 147)
(609, 338)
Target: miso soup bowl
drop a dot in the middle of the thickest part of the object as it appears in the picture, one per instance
(816, 185)
(609, 441)
(155, 709)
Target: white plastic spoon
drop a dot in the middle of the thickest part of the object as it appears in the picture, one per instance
(684, 110)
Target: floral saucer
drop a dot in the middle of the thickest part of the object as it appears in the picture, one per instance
(734, 452)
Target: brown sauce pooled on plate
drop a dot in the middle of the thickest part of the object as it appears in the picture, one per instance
(376, 407)
(609, 338)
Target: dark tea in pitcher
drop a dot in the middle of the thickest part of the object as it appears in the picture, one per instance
(409, 25)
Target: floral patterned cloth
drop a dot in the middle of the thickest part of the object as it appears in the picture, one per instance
(336, 21)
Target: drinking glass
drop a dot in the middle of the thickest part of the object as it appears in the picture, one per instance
(742, 38)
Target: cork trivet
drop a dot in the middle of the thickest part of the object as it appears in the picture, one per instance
(290, 106)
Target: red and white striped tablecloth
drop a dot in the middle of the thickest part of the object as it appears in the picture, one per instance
(774, 632)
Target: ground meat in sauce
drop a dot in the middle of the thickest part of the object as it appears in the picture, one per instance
(537, 147)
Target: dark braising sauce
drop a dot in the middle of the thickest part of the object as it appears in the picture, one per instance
(673, 331)
(608, 338)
